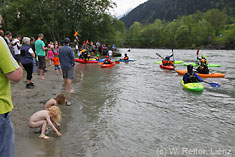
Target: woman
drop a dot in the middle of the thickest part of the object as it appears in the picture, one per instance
(27, 56)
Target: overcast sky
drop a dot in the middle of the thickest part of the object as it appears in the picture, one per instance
(125, 5)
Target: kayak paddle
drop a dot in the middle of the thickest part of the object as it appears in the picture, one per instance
(212, 84)
(159, 55)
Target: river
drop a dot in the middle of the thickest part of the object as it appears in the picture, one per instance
(137, 109)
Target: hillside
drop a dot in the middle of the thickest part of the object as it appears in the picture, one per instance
(170, 9)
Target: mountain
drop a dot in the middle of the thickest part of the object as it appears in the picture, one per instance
(168, 10)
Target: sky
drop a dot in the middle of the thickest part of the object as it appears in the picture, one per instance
(124, 6)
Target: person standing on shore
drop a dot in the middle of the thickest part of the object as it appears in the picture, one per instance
(40, 52)
(9, 70)
(27, 56)
(67, 63)
(16, 48)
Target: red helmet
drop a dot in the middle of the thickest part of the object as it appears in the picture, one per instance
(107, 56)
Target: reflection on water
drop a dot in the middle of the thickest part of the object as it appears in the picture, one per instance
(137, 109)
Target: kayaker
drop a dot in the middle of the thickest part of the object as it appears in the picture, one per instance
(125, 58)
(81, 53)
(191, 76)
(167, 61)
(203, 68)
(107, 60)
(203, 60)
(97, 57)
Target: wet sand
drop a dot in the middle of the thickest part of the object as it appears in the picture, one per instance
(28, 101)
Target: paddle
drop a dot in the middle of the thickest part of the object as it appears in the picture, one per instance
(159, 55)
(212, 84)
(173, 55)
(197, 57)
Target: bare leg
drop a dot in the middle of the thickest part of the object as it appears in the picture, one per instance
(41, 74)
(43, 129)
(68, 86)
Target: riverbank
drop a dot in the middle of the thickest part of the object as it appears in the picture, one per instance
(28, 101)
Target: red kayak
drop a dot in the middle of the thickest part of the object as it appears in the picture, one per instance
(107, 65)
(83, 61)
(167, 67)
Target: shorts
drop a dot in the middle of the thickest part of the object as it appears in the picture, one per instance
(42, 62)
(57, 67)
(17, 58)
(68, 73)
(7, 136)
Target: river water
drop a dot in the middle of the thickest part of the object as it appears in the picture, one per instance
(137, 109)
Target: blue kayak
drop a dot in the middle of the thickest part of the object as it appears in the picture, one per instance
(126, 60)
(101, 60)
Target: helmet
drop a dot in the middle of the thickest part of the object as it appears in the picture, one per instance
(190, 68)
(167, 57)
(125, 54)
(97, 55)
(107, 56)
(203, 56)
(55, 54)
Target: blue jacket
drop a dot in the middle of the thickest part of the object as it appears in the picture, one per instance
(66, 57)
(187, 78)
(26, 57)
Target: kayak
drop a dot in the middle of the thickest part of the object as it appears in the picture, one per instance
(197, 87)
(175, 62)
(167, 67)
(101, 60)
(209, 65)
(212, 75)
(107, 65)
(126, 60)
(83, 61)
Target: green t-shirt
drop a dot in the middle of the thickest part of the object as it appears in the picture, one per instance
(7, 65)
(38, 46)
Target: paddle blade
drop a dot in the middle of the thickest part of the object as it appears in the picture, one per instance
(214, 85)
(197, 52)
(117, 62)
(100, 63)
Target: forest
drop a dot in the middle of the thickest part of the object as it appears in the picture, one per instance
(57, 19)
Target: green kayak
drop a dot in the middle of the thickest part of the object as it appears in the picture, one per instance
(175, 62)
(209, 65)
(197, 87)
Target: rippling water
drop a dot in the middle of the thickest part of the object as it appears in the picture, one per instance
(137, 109)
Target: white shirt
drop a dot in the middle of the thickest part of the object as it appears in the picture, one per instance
(15, 48)
(110, 52)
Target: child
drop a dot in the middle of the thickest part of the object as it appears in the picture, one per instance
(55, 59)
(41, 118)
(50, 54)
(60, 99)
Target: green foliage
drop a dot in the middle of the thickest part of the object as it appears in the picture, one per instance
(58, 19)
(192, 31)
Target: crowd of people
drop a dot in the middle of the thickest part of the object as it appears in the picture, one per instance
(21, 53)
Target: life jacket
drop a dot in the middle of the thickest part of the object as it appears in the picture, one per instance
(203, 69)
(126, 58)
(164, 62)
(191, 78)
(107, 61)
(26, 57)
(203, 61)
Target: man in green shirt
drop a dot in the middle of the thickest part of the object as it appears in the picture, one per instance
(9, 70)
(40, 52)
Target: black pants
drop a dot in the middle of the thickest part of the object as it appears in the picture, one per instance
(29, 69)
